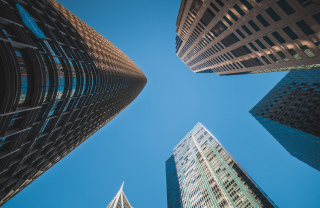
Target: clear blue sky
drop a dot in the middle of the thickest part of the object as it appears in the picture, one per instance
(134, 146)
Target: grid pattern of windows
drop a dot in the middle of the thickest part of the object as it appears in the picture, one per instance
(263, 28)
(288, 113)
(66, 82)
(208, 176)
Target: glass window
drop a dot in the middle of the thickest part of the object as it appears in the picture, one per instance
(294, 54)
(260, 44)
(273, 14)
(278, 37)
(285, 7)
(262, 20)
(240, 33)
(253, 46)
(305, 27)
(283, 56)
(317, 17)
(307, 51)
(274, 58)
(267, 39)
(207, 17)
(230, 40)
(214, 7)
(247, 4)
(246, 29)
(254, 26)
(239, 10)
(305, 3)
(219, 28)
(265, 60)
(25, 78)
(233, 16)
(290, 33)
(220, 3)
(227, 20)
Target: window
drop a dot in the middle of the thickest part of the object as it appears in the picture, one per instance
(283, 56)
(252, 62)
(230, 40)
(247, 4)
(262, 20)
(290, 33)
(240, 33)
(241, 51)
(285, 7)
(239, 10)
(278, 37)
(274, 58)
(254, 26)
(214, 7)
(227, 20)
(317, 44)
(294, 54)
(220, 3)
(25, 76)
(307, 51)
(246, 29)
(207, 17)
(317, 17)
(273, 14)
(305, 27)
(253, 47)
(219, 28)
(260, 44)
(305, 3)
(265, 60)
(267, 39)
(233, 16)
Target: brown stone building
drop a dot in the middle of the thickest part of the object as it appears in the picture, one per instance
(248, 36)
(60, 82)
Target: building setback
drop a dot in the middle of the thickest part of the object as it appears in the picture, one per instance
(120, 200)
(60, 82)
(248, 36)
(208, 176)
(291, 114)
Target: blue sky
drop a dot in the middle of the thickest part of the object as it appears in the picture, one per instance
(134, 146)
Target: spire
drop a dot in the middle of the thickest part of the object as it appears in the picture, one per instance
(120, 200)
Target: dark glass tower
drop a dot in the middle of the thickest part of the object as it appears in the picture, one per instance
(173, 190)
(291, 113)
(60, 82)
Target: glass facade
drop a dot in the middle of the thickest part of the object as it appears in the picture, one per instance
(60, 82)
(208, 176)
(290, 112)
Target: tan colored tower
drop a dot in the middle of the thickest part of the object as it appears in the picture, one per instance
(248, 36)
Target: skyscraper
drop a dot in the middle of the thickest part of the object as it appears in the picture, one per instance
(248, 36)
(208, 176)
(120, 200)
(291, 114)
(60, 82)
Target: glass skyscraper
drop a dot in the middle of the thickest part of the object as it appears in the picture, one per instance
(60, 82)
(120, 200)
(291, 114)
(201, 173)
